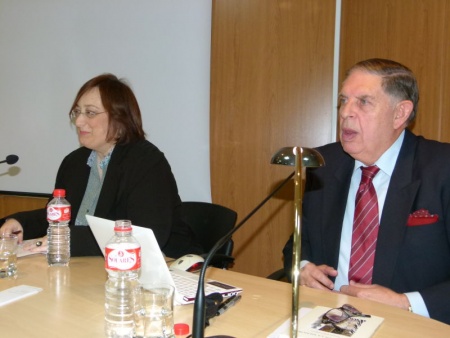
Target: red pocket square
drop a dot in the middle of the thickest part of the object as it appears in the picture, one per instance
(422, 217)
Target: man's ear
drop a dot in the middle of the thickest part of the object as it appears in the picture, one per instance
(403, 111)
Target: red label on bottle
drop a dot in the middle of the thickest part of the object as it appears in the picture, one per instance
(59, 213)
(120, 259)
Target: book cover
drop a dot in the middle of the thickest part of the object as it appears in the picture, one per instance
(311, 325)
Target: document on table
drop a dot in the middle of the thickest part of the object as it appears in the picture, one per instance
(17, 292)
(311, 325)
(284, 330)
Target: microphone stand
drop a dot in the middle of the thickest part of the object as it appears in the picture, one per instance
(198, 327)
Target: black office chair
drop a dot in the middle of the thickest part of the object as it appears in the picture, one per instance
(279, 275)
(282, 274)
(210, 222)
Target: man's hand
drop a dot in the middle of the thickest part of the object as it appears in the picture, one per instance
(317, 277)
(376, 293)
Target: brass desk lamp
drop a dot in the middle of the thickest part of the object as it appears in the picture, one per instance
(300, 158)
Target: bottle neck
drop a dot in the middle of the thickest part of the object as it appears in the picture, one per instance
(123, 233)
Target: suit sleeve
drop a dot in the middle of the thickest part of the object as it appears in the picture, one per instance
(436, 298)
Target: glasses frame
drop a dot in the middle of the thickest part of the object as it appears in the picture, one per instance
(348, 311)
(75, 113)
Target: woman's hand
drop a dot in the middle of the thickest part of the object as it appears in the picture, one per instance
(11, 226)
(37, 245)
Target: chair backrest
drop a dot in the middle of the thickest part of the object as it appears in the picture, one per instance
(210, 222)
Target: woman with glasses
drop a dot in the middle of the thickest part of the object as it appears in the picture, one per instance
(115, 174)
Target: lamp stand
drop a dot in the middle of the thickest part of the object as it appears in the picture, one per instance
(298, 190)
(300, 158)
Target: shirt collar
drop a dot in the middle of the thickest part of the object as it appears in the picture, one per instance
(103, 163)
(387, 161)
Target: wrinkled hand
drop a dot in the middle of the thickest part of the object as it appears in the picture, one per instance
(36, 245)
(317, 276)
(11, 226)
(376, 293)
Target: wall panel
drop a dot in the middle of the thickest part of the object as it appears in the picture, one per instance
(413, 32)
(271, 86)
(444, 87)
(10, 204)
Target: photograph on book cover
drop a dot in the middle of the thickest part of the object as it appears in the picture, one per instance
(347, 328)
(345, 321)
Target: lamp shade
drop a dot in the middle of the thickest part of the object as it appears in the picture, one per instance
(286, 156)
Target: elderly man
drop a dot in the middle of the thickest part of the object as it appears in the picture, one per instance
(377, 215)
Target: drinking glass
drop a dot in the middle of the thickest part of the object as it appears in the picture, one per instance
(8, 255)
(154, 311)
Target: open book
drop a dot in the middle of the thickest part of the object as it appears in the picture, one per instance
(310, 325)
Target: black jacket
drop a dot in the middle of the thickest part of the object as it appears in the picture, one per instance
(138, 186)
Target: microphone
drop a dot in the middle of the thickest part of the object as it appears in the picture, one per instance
(198, 325)
(10, 159)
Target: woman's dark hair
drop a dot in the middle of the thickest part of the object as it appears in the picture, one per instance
(125, 122)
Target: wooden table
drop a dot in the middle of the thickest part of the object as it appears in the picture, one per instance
(72, 300)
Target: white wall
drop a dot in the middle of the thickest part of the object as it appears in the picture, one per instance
(49, 48)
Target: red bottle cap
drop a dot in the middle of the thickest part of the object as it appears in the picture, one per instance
(59, 193)
(181, 329)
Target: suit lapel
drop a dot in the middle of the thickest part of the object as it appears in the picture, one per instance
(399, 201)
(336, 191)
(80, 172)
(110, 188)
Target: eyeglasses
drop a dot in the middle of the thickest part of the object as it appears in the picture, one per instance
(88, 113)
(338, 317)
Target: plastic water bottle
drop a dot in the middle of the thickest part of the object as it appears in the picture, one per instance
(58, 233)
(123, 264)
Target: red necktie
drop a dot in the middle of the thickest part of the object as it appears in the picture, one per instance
(365, 229)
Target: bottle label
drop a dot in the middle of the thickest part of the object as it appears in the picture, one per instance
(59, 213)
(123, 259)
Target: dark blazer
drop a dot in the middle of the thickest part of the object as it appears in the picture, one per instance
(408, 258)
(138, 185)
